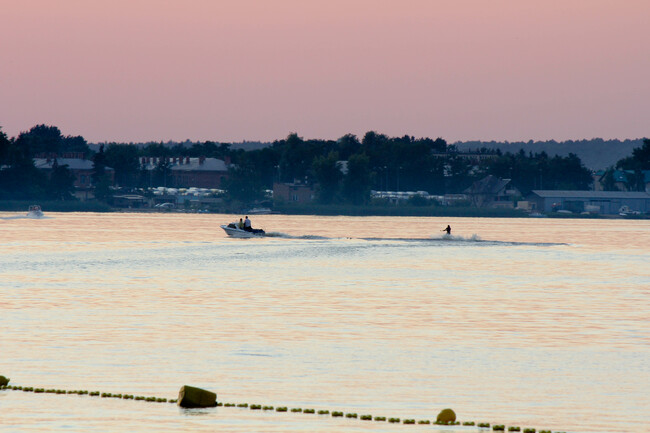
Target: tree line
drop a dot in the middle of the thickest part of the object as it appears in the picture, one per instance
(344, 170)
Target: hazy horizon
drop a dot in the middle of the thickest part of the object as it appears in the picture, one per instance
(161, 70)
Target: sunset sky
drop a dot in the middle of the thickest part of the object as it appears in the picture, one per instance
(139, 70)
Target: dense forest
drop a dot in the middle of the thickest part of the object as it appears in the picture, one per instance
(341, 171)
(595, 153)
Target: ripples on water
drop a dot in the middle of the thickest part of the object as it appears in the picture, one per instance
(533, 323)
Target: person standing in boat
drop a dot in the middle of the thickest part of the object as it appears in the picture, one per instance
(247, 225)
(447, 229)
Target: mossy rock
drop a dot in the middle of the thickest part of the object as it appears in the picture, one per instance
(192, 397)
(446, 415)
(4, 381)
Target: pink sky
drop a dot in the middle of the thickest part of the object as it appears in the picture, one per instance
(138, 70)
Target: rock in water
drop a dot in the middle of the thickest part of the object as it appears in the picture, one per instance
(4, 381)
(446, 415)
(190, 396)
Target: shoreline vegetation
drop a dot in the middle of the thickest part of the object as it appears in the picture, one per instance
(311, 209)
(372, 175)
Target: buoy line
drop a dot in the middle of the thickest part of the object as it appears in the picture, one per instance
(444, 418)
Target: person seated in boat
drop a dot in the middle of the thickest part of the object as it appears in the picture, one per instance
(247, 225)
(240, 224)
(447, 229)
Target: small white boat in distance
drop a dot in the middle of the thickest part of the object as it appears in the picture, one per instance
(259, 211)
(233, 231)
(34, 211)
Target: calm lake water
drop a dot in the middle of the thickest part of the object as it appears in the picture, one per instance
(540, 323)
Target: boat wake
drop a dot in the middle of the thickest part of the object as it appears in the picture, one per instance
(474, 239)
(456, 238)
(442, 238)
(287, 236)
(460, 240)
(25, 217)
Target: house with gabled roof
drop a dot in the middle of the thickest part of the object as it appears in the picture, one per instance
(622, 180)
(188, 172)
(82, 169)
(492, 191)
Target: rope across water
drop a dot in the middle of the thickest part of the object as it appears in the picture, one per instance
(308, 411)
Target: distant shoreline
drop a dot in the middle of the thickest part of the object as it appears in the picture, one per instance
(313, 209)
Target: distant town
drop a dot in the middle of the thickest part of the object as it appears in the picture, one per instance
(375, 174)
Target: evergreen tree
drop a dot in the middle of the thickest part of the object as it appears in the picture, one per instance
(328, 175)
(99, 177)
(162, 172)
(358, 180)
(123, 158)
(19, 177)
(243, 186)
(608, 181)
(43, 139)
(640, 159)
(61, 182)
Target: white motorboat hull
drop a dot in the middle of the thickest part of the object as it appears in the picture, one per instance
(258, 211)
(239, 233)
(34, 212)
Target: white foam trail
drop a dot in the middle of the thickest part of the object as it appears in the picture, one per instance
(24, 217)
(286, 236)
(457, 238)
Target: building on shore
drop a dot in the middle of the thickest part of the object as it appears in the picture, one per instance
(622, 180)
(185, 172)
(492, 192)
(598, 202)
(294, 192)
(81, 168)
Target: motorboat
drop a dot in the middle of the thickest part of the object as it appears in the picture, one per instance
(235, 232)
(34, 211)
